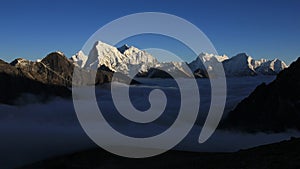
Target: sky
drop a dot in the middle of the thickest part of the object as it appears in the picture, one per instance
(263, 29)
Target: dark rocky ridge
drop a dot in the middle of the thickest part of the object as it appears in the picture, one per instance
(271, 108)
(273, 156)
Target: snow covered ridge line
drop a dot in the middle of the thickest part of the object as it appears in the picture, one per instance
(244, 65)
(129, 59)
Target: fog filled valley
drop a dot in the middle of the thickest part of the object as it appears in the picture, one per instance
(34, 131)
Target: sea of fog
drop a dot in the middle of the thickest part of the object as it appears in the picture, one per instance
(37, 131)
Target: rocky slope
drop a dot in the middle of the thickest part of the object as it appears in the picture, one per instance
(15, 82)
(54, 69)
(271, 108)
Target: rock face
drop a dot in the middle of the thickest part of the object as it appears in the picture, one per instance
(271, 108)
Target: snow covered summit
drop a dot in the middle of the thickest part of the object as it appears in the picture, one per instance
(125, 59)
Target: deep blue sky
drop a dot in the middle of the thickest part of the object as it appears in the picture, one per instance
(267, 29)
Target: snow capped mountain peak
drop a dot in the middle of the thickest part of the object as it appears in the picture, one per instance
(104, 54)
(125, 59)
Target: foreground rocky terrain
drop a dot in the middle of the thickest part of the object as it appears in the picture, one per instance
(273, 156)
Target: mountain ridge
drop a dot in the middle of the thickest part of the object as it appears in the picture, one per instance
(130, 60)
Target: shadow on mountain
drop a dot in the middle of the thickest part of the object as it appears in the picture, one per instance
(270, 108)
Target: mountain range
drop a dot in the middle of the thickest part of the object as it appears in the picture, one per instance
(53, 75)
